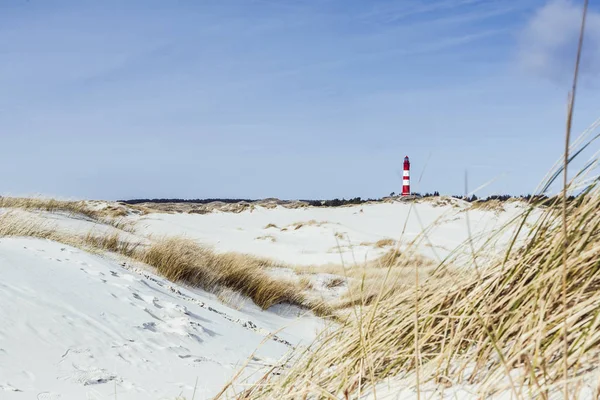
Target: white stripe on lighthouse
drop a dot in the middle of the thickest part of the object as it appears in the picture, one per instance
(406, 173)
(405, 182)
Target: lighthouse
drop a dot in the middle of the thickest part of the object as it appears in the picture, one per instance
(406, 178)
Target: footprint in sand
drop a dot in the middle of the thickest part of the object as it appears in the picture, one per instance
(198, 359)
(49, 396)
(8, 388)
(149, 326)
(148, 299)
(137, 297)
(91, 376)
(175, 308)
(90, 272)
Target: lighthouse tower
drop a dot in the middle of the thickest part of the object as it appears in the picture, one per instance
(406, 178)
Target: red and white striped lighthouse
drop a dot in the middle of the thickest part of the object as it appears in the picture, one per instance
(406, 178)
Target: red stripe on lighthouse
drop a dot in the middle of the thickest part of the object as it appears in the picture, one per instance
(406, 178)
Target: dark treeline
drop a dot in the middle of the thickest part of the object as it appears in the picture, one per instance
(197, 201)
(538, 199)
(337, 202)
(535, 199)
(503, 197)
(316, 203)
(498, 197)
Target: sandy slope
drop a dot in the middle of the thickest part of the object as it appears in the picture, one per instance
(77, 326)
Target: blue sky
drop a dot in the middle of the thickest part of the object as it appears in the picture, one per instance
(286, 98)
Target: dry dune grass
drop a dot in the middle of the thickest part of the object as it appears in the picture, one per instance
(50, 205)
(115, 211)
(490, 205)
(183, 260)
(111, 215)
(440, 201)
(380, 244)
(140, 209)
(297, 225)
(335, 282)
(526, 325)
(231, 298)
(339, 235)
(13, 224)
(305, 283)
(269, 238)
(385, 243)
(393, 271)
(497, 320)
(113, 243)
(394, 258)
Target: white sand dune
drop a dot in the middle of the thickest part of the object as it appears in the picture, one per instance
(357, 228)
(79, 326)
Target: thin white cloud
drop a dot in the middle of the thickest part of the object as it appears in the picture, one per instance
(549, 41)
(395, 11)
